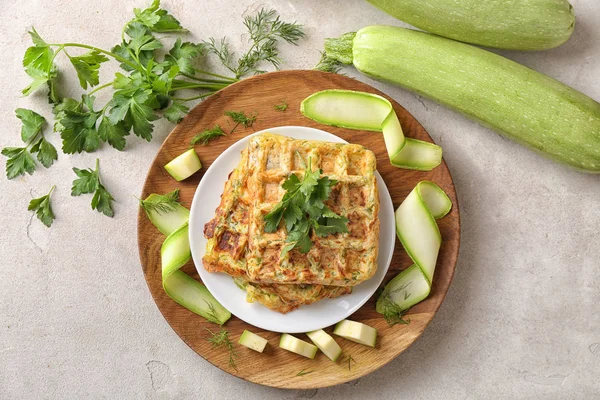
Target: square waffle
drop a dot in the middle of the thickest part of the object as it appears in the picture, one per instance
(237, 244)
(340, 259)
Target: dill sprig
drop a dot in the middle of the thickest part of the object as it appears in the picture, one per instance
(328, 64)
(221, 339)
(265, 29)
(350, 360)
(392, 312)
(161, 204)
(207, 135)
(304, 372)
(240, 118)
(212, 314)
(281, 107)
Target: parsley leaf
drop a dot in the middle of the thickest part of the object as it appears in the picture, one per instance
(38, 63)
(207, 135)
(176, 111)
(87, 67)
(113, 134)
(40, 55)
(42, 208)
(19, 161)
(76, 123)
(157, 19)
(88, 181)
(101, 201)
(32, 123)
(182, 54)
(133, 110)
(46, 152)
(304, 211)
(39, 79)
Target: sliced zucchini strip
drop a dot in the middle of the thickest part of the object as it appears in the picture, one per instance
(359, 110)
(186, 291)
(419, 234)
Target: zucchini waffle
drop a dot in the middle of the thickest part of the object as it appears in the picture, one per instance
(238, 245)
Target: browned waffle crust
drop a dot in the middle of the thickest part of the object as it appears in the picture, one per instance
(238, 245)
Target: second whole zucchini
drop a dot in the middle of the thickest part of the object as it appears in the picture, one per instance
(520, 103)
(504, 24)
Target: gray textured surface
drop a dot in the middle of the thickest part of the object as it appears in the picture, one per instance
(521, 319)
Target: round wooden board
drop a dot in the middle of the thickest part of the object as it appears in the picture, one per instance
(277, 367)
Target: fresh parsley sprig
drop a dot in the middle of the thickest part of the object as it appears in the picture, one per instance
(88, 181)
(145, 90)
(303, 210)
(20, 160)
(148, 86)
(43, 208)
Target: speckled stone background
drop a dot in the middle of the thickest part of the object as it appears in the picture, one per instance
(522, 317)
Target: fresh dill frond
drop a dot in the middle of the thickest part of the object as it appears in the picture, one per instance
(265, 29)
(162, 203)
(207, 135)
(240, 118)
(221, 339)
(328, 64)
(304, 372)
(281, 106)
(392, 313)
(212, 314)
(222, 51)
(350, 360)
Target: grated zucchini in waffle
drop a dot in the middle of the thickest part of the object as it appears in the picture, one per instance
(239, 246)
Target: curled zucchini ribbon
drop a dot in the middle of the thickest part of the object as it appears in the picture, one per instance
(419, 234)
(185, 290)
(359, 110)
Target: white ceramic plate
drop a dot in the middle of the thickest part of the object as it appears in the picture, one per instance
(306, 318)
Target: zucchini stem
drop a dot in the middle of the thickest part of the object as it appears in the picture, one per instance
(340, 48)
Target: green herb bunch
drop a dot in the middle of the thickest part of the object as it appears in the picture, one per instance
(146, 89)
(303, 210)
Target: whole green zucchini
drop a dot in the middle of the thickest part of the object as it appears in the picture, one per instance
(505, 24)
(520, 103)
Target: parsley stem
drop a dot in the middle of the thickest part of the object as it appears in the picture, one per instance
(98, 168)
(108, 53)
(222, 77)
(98, 88)
(193, 98)
(179, 84)
(57, 52)
(51, 190)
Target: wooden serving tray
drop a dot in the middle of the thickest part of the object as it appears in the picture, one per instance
(277, 367)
